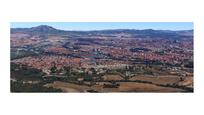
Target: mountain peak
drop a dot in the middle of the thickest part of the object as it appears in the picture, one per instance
(43, 28)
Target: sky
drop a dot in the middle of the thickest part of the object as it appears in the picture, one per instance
(107, 25)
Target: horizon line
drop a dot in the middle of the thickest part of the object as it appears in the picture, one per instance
(97, 26)
(104, 29)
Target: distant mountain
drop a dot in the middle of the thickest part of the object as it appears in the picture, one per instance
(146, 33)
(42, 29)
(149, 33)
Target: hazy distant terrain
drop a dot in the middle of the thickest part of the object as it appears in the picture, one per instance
(45, 59)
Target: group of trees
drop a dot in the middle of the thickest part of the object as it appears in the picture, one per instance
(189, 64)
(22, 72)
(19, 86)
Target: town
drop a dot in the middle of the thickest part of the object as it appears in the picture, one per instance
(45, 59)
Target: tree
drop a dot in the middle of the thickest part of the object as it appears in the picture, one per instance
(53, 69)
(67, 70)
(93, 71)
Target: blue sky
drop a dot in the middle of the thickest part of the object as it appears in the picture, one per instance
(108, 25)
